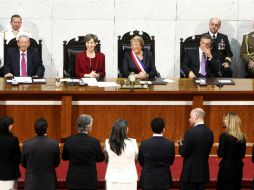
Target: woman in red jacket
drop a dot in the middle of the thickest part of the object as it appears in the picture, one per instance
(90, 63)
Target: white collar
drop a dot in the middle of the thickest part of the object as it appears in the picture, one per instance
(199, 123)
(157, 135)
(211, 34)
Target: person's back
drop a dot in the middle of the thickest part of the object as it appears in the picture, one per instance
(155, 156)
(195, 149)
(83, 152)
(40, 157)
(122, 168)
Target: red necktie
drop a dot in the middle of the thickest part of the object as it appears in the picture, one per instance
(23, 65)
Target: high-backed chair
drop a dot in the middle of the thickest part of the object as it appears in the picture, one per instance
(13, 44)
(124, 45)
(191, 42)
(70, 50)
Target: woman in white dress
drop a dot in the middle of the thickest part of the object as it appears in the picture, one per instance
(121, 154)
(10, 156)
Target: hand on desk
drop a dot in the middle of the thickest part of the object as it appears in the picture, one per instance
(8, 75)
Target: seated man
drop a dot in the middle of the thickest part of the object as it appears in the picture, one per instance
(23, 61)
(247, 53)
(201, 62)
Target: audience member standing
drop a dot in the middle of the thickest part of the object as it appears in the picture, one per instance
(155, 156)
(40, 157)
(9, 155)
(232, 147)
(195, 149)
(121, 155)
(83, 152)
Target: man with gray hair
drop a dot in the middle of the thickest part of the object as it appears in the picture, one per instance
(83, 152)
(195, 149)
(23, 61)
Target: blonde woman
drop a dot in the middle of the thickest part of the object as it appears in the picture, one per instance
(232, 147)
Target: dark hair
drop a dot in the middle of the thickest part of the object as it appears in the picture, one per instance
(206, 36)
(118, 135)
(16, 16)
(88, 37)
(157, 125)
(5, 122)
(40, 126)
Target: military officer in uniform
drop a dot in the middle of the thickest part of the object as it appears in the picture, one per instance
(221, 46)
(247, 53)
(12, 32)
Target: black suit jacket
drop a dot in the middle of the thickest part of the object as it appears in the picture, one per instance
(231, 151)
(191, 62)
(195, 150)
(9, 157)
(34, 63)
(40, 157)
(227, 52)
(129, 65)
(83, 152)
(155, 156)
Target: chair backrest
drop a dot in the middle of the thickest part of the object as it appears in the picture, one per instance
(191, 42)
(124, 45)
(70, 50)
(13, 44)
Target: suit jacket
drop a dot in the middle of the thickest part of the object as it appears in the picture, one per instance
(227, 54)
(34, 63)
(40, 157)
(155, 156)
(84, 66)
(83, 152)
(129, 65)
(191, 62)
(195, 150)
(231, 151)
(10, 157)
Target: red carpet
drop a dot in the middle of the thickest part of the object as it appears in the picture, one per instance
(248, 173)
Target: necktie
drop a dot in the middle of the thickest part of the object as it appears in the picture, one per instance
(23, 66)
(213, 36)
(203, 64)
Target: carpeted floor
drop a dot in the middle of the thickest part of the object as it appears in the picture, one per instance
(175, 169)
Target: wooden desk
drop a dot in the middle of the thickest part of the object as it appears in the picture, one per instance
(173, 102)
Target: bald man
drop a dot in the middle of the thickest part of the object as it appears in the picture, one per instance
(221, 46)
(195, 149)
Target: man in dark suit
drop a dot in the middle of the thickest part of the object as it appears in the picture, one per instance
(40, 157)
(23, 61)
(201, 62)
(155, 156)
(195, 149)
(221, 46)
(83, 152)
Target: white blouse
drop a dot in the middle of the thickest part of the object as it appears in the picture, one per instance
(122, 168)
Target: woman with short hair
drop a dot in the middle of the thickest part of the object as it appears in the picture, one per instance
(90, 63)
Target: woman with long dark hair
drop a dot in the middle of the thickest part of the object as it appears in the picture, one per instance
(121, 154)
(10, 155)
(232, 147)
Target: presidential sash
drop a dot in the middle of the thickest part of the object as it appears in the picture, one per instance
(138, 63)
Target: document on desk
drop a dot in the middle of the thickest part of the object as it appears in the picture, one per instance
(26, 80)
(90, 81)
(39, 80)
(69, 80)
(106, 84)
(168, 80)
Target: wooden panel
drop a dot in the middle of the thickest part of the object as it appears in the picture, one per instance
(66, 112)
(138, 117)
(25, 116)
